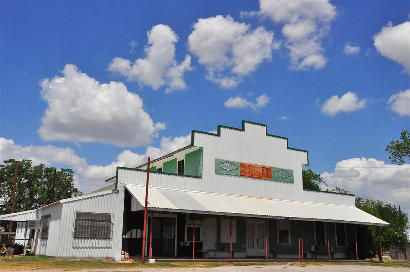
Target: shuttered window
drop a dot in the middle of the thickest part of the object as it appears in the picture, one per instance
(45, 224)
(92, 225)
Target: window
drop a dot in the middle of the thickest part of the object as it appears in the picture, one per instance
(45, 224)
(340, 235)
(283, 232)
(197, 233)
(225, 230)
(320, 236)
(181, 167)
(92, 225)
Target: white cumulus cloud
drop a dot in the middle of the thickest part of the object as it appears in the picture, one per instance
(159, 67)
(304, 25)
(229, 49)
(351, 49)
(400, 103)
(393, 42)
(346, 103)
(45, 154)
(81, 109)
(240, 102)
(368, 177)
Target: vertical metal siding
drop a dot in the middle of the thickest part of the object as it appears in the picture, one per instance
(61, 242)
(251, 146)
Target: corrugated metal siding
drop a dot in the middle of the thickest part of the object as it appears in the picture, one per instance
(249, 146)
(61, 241)
(174, 200)
(112, 203)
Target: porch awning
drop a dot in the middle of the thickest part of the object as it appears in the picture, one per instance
(172, 200)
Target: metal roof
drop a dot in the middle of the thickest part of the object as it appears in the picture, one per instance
(173, 200)
(19, 216)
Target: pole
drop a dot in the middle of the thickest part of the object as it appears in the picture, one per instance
(380, 247)
(144, 233)
(150, 238)
(13, 198)
(328, 243)
(301, 241)
(193, 240)
(266, 239)
(299, 248)
(230, 238)
(355, 243)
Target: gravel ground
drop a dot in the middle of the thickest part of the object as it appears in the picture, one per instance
(268, 268)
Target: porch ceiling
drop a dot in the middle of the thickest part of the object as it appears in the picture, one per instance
(172, 200)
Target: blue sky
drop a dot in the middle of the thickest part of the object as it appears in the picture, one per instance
(293, 59)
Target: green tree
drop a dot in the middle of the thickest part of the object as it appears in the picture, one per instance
(399, 150)
(392, 236)
(311, 180)
(36, 185)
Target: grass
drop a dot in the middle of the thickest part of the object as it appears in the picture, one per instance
(38, 262)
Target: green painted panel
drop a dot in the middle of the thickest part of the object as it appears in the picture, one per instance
(282, 175)
(153, 169)
(227, 167)
(193, 163)
(170, 167)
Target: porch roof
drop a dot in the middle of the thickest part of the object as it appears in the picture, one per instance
(171, 200)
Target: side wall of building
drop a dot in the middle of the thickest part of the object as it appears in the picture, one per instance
(61, 241)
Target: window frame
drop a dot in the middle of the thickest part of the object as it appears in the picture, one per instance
(181, 167)
(278, 228)
(222, 231)
(190, 224)
(97, 228)
(45, 231)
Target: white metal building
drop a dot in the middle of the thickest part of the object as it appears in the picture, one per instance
(237, 193)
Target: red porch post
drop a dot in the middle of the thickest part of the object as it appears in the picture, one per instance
(355, 243)
(266, 239)
(302, 249)
(230, 238)
(193, 239)
(299, 248)
(150, 238)
(144, 233)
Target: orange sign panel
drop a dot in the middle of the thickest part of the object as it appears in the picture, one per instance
(256, 171)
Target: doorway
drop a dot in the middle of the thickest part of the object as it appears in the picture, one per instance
(163, 237)
(255, 236)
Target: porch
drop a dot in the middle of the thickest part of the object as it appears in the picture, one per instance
(204, 236)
